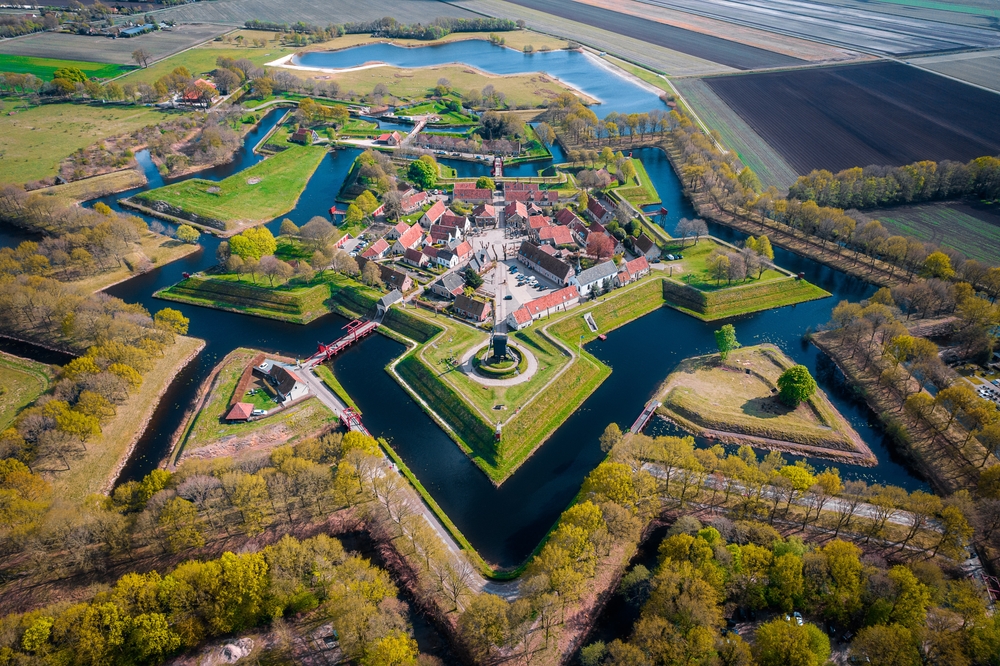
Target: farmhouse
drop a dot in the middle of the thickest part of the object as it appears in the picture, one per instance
(567, 217)
(472, 308)
(645, 246)
(449, 285)
(545, 264)
(599, 278)
(288, 384)
(396, 231)
(471, 194)
(433, 214)
(390, 276)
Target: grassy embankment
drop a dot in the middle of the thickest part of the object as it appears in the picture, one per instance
(206, 429)
(43, 68)
(21, 381)
(262, 192)
(639, 190)
(94, 470)
(330, 379)
(737, 402)
(690, 287)
(438, 108)
(35, 140)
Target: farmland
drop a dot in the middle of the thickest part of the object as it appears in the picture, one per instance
(858, 28)
(982, 69)
(43, 68)
(972, 229)
(855, 115)
(752, 150)
(317, 12)
(700, 45)
(116, 51)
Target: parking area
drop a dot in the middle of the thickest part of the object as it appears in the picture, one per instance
(524, 284)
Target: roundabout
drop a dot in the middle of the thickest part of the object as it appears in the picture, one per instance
(506, 373)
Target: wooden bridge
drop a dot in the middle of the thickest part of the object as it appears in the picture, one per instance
(356, 330)
(643, 419)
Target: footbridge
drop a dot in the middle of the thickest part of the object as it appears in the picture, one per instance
(647, 413)
(356, 330)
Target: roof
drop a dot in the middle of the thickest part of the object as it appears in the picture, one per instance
(436, 211)
(596, 208)
(549, 301)
(521, 315)
(516, 208)
(450, 219)
(484, 209)
(463, 249)
(452, 282)
(473, 306)
(287, 379)
(439, 234)
(536, 255)
(393, 296)
(511, 185)
(538, 221)
(644, 243)
(401, 227)
(376, 249)
(558, 234)
(414, 200)
(548, 249)
(472, 193)
(598, 272)
(241, 411)
(414, 255)
(429, 251)
(446, 256)
(637, 265)
(566, 216)
(392, 277)
(411, 236)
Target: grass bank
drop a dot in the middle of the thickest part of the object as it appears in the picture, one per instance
(94, 470)
(739, 299)
(260, 193)
(326, 374)
(736, 401)
(21, 381)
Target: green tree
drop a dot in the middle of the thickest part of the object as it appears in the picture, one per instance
(367, 202)
(796, 385)
(938, 264)
(179, 519)
(484, 625)
(891, 645)
(151, 639)
(169, 319)
(288, 228)
(781, 643)
(485, 183)
(785, 587)
(354, 214)
(472, 278)
(422, 174)
(394, 649)
(187, 234)
(71, 74)
(36, 636)
(725, 340)
(253, 243)
(611, 436)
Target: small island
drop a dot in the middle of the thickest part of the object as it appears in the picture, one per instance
(736, 401)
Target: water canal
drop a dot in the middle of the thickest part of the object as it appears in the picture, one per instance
(505, 523)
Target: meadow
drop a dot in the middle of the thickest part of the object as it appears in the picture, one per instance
(43, 68)
(21, 381)
(972, 229)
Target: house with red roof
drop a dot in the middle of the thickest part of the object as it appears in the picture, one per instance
(444, 235)
(463, 251)
(485, 215)
(545, 264)
(472, 308)
(408, 239)
(516, 214)
(597, 212)
(473, 194)
(412, 200)
(645, 246)
(396, 231)
(556, 235)
(415, 257)
(241, 411)
(393, 138)
(557, 301)
(567, 217)
(433, 214)
(519, 319)
(454, 221)
(630, 271)
(391, 278)
(376, 250)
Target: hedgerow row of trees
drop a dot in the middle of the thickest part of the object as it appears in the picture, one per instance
(390, 27)
(873, 186)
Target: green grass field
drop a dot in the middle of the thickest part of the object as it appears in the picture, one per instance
(693, 269)
(21, 381)
(283, 177)
(43, 68)
(973, 231)
(33, 141)
(639, 190)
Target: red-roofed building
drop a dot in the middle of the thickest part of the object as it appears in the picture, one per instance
(513, 186)
(557, 235)
(548, 249)
(415, 257)
(433, 214)
(412, 202)
(518, 319)
(516, 214)
(567, 217)
(304, 136)
(454, 221)
(445, 235)
(409, 238)
(390, 139)
(645, 246)
(376, 250)
(396, 231)
(598, 213)
(463, 251)
(485, 215)
(241, 411)
(631, 271)
(557, 301)
(472, 194)
(472, 308)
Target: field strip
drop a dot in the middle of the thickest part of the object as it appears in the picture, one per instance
(949, 57)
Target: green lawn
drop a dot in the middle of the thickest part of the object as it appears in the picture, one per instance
(21, 381)
(43, 68)
(437, 107)
(239, 201)
(693, 269)
(639, 190)
(356, 127)
(326, 374)
(33, 141)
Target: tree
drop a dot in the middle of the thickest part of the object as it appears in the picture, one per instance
(611, 436)
(600, 245)
(796, 385)
(484, 625)
(272, 267)
(179, 518)
(781, 643)
(253, 243)
(891, 645)
(187, 234)
(725, 340)
(169, 319)
(938, 264)
(687, 228)
(718, 266)
(367, 202)
(371, 275)
(545, 133)
(288, 228)
(485, 183)
(422, 174)
(141, 57)
(354, 214)
(472, 278)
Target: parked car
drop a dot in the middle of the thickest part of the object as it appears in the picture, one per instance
(508, 297)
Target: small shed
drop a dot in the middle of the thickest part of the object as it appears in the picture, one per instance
(241, 411)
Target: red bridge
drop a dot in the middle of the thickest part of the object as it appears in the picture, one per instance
(352, 421)
(356, 330)
(643, 419)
